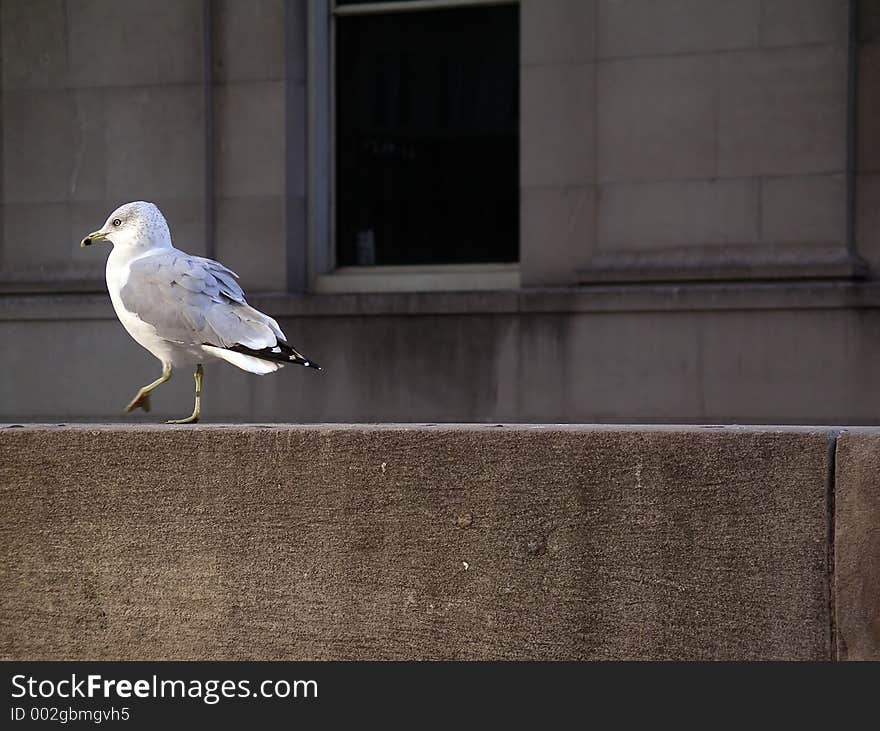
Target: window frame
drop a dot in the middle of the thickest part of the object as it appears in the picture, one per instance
(324, 277)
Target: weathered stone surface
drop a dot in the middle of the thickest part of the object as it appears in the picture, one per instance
(868, 217)
(782, 112)
(413, 542)
(678, 214)
(646, 28)
(249, 39)
(803, 209)
(720, 353)
(557, 130)
(857, 546)
(557, 31)
(260, 222)
(146, 127)
(39, 146)
(558, 228)
(250, 147)
(140, 42)
(678, 139)
(33, 52)
(793, 22)
(868, 110)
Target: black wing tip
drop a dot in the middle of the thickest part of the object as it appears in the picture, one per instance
(282, 353)
(307, 363)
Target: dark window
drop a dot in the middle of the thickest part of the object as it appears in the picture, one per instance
(427, 120)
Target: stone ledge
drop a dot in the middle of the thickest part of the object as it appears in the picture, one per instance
(646, 297)
(420, 541)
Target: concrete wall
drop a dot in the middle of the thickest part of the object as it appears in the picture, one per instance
(715, 354)
(438, 542)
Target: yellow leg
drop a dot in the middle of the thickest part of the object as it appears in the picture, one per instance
(192, 419)
(142, 397)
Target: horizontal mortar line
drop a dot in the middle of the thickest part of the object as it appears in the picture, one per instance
(50, 90)
(186, 197)
(599, 59)
(597, 183)
(818, 174)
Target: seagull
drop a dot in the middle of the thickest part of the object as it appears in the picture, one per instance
(186, 310)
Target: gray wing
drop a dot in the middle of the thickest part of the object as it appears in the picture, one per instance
(195, 301)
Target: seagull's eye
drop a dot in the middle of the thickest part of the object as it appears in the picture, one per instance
(117, 222)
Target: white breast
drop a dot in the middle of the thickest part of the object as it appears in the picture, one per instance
(144, 334)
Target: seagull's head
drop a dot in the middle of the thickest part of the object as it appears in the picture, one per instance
(137, 225)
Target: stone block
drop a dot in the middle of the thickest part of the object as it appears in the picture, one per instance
(868, 109)
(783, 112)
(558, 107)
(676, 214)
(558, 31)
(138, 42)
(558, 229)
(650, 28)
(804, 210)
(102, 369)
(390, 542)
(800, 22)
(868, 218)
(656, 118)
(40, 144)
(250, 139)
(156, 142)
(251, 241)
(36, 239)
(857, 546)
(249, 40)
(34, 44)
(186, 219)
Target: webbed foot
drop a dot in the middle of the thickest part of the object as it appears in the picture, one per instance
(193, 419)
(141, 400)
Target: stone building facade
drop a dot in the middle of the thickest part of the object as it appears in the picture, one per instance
(697, 208)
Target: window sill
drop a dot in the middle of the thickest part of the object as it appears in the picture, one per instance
(434, 278)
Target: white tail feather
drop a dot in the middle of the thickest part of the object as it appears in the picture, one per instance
(245, 362)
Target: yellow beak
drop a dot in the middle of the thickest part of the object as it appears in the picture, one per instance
(93, 238)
